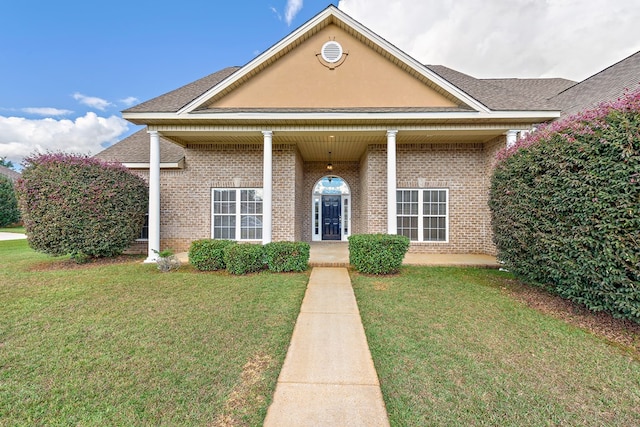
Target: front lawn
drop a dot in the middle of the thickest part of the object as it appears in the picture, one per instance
(451, 347)
(123, 344)
(17, 229)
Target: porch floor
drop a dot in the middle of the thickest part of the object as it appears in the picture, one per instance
(336, 254)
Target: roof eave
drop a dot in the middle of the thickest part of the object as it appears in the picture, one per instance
(145, 118)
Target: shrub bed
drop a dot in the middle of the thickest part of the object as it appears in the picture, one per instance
(377, 253)
(565, 206)
(208, 254)
(79, 205)
(244, 258)
(287, 256)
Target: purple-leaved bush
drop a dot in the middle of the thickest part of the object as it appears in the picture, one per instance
(586, 122)
(565, 207)
(79, 205)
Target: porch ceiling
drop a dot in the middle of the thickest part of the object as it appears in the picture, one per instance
(344, 145)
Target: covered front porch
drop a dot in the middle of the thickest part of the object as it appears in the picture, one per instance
(287, 165)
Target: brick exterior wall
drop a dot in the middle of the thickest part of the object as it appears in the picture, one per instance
(284, 192)
(459, 168)
(491, 148)
(374, 179)
(464, 169)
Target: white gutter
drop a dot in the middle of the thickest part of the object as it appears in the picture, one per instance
(471, 115)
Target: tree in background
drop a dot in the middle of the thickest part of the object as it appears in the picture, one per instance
(79, 205)
(565, 206)
(9, 212)
(6, 163)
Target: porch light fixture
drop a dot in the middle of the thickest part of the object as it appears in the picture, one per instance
(329, 165)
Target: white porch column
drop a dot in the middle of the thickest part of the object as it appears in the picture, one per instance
(154, 195)
(392, 224)
(512, 137)
(267, 186)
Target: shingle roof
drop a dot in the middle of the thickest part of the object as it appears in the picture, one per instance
(506, 94)
(176, 99)
(135, 149)
(607, 85)
(496, 94)
(9, 173)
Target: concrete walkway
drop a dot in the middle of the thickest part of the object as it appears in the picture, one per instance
(328, 377)
(11, 236)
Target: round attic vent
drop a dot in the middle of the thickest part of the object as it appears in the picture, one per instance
(331, 51)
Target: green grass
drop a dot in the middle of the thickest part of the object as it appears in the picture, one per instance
(18, 229)
(124, 344)
(451, 348)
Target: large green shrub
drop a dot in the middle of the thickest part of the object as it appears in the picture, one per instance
(565, 206)
(208, 254)
(244, 258)
(9, 212)
(78, 205)
(287, 256)
(377, 253)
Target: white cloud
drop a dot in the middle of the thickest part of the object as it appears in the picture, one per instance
(20, 137)
(92, 101)
(275, 12)
(129, 101)
(507, 38)
(291, 10)
(47, 111)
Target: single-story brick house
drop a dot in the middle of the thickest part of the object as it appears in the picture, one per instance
(330, 132)
(9, 173)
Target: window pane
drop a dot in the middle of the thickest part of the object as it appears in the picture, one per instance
(434, 213)
(224, 211)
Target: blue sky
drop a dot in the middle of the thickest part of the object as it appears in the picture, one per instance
(68, 67)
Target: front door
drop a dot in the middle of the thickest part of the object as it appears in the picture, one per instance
(331, 208)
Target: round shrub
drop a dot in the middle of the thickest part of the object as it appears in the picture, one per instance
(9, 212)
(377, 253)
(244, 258)
(208, 254)
(287, 256)
(565, 206)
(78, 205)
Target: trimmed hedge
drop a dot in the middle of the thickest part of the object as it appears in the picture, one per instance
(244, 258)
(565, 206)
(9, 213)
(79, 205)
(287, 256)
(208, 254)
(377, 253)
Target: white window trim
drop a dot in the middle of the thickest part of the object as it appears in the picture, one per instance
(421, 214)
(238, 214)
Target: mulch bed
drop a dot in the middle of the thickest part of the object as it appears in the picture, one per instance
(623, 333)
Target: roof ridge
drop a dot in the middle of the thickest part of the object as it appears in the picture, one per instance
(596, 74)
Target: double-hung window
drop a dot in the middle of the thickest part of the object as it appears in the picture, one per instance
(423, 215)
(237, 213)
(144, 231)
